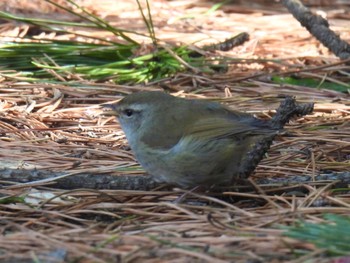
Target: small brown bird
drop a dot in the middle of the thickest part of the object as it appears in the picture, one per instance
(187, 142)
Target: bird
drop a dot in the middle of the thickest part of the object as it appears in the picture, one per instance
(187, 142)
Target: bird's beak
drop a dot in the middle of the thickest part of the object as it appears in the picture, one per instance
(109, 110)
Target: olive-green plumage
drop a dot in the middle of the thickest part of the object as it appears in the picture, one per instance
(187, 142)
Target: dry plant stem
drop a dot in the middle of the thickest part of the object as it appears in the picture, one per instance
(318, 27)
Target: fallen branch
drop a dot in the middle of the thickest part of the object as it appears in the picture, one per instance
(25, 178)
(319, 28)
(287, 110)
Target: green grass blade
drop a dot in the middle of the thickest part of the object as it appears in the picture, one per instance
(100, 23)
(334, 235)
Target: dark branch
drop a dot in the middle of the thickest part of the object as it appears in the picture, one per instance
(137, 182)
(287, 110)
(319, 28)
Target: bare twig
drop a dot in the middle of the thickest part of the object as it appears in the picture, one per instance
(319, 28)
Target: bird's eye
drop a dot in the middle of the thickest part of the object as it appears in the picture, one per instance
(128, 112)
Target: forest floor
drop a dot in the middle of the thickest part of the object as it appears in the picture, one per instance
(57, 127)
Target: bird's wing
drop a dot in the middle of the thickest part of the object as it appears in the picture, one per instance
(223, 127)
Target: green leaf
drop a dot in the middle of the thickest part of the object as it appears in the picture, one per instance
(12, 200)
